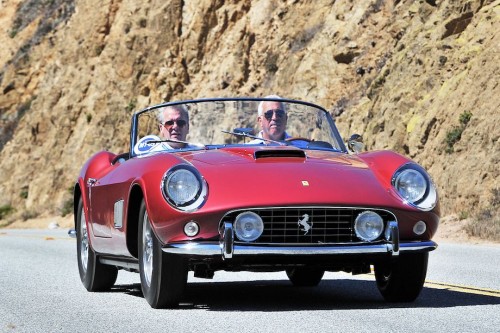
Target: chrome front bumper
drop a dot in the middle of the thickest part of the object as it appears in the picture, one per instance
(214, 249)
(227, 248)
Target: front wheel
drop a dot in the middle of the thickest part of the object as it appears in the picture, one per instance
(305, 277)
(163, 276)
(94, 275)
(403, 279)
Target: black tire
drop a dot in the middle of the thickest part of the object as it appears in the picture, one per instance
(305, 277)
(403, 279)
(94, 275)
(163, 276)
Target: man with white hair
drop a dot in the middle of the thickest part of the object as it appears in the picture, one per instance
(272, 118)
(174, 124)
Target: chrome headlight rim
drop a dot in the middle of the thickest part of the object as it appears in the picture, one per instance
(199, 197)
(359, 230)
(258, 225)
(429, 198)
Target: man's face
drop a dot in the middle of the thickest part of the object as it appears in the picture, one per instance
(273, 121)
(175, 126)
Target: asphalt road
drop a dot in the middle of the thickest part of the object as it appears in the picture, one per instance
(40, 291)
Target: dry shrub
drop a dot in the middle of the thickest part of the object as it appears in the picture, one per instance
(486, 223)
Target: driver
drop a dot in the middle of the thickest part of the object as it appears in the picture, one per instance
(174, 124)
(272, 118)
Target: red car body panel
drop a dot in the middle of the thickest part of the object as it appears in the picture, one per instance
(332, 179)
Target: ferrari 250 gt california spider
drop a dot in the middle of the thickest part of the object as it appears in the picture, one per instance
(248, 184)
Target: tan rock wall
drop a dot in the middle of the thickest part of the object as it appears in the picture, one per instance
(400, 72)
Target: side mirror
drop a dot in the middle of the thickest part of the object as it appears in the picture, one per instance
(355, 143)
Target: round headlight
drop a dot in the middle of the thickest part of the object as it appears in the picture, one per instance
(411, 185)
(248, 226)
(368, 226)
(415, 186)
(183, 187)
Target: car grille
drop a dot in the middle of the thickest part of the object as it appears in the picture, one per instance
(327, 225)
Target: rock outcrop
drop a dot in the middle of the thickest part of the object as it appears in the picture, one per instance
(418, 77)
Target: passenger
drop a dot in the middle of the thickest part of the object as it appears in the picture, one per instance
(174, 124)
(272, 118)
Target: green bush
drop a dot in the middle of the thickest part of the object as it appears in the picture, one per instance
(5, 211)
(24, 193)
(463, 215)
(67, 207)
(465, 118)
(131, 105)
(454, 135)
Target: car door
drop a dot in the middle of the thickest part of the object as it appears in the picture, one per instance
(107, 195)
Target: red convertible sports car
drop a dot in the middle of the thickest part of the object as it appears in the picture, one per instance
(247, 184)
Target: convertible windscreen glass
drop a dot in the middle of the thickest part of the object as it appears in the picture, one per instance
(234, 122)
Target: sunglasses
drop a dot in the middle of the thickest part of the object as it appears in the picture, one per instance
(179, 122)
(279, 114)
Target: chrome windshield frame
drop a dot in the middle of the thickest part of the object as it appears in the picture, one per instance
(135, 117)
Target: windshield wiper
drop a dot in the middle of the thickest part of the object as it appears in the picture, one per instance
(246, 135)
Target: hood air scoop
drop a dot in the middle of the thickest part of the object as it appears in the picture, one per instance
(297, 153)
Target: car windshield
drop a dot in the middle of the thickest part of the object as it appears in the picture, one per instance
(216, 123)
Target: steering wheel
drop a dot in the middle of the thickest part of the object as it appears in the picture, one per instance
(294, 139)
(297, 142)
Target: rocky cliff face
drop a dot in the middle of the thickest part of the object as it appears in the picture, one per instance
(418, 77)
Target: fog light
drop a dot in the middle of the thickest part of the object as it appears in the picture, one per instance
(419, 228)
(368, 226)
(248, 226)
(191, 229)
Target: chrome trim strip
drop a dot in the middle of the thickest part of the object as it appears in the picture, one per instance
(425, 246)
(311, 207)
(118, 214)
(214, 249)
(120, 263)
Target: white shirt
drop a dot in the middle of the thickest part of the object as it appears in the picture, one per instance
(263, 141)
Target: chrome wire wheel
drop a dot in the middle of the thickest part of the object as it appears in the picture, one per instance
(163, 276)
(84, 243)
(147, 250)
(95, 276)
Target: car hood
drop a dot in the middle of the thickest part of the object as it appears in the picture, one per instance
(284, 176)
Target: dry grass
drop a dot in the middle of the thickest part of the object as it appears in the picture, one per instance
(486, 223)
(45, 222)
(485, 226)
